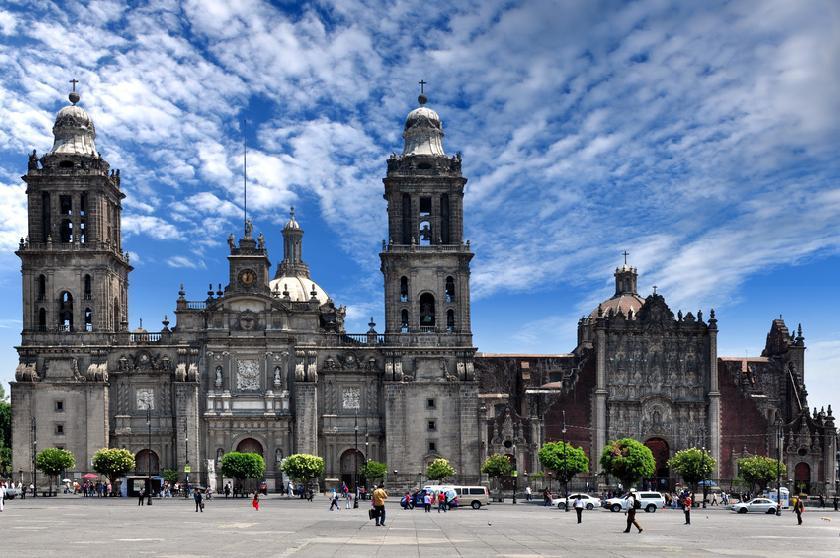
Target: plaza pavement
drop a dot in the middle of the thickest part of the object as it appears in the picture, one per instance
(70, 526)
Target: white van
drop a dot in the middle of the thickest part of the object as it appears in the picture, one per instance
(473, 496)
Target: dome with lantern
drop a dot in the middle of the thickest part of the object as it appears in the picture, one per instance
(292, 279)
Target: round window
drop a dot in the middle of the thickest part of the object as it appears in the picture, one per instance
(508, 444)
(802, 452)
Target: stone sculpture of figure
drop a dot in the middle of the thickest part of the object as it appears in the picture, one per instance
(33, 161)
(249, 228)
(461, 370)
(470, 371)
(278, 455)
(299, 371)
(398, 371)
(231, 242)
(389, 369)
(277, 379)
(312, 368)
(261, 241)
(218, 376)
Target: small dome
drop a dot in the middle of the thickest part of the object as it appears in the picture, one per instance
(299, 287)
(423, 117)
(624, 302)
(423, 133)
(74, 132)
(292, 224)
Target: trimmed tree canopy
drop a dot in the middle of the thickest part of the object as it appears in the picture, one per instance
(757, 471)
(240, 465)
(113, 462)
(564, 460)
(303, 467)
(628, 460)
(439, 469)
(52, 461)
(497, 465)
(170, 476)
(693, 465)
(374, 470)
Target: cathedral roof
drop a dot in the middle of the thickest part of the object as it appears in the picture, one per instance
(624, 302)
(423, 132)
(74, 131)
(299, 288)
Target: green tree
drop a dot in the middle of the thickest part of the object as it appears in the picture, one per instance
(497, 466)
(52, 461)
(693, 465)
(303, 467)
(628, 460)
(564, 460)
(6, 461)
(170, 476)
(439, 469)
(113, 463)
(5, 421)
(758, 471)
(374, 470)
(241, 466)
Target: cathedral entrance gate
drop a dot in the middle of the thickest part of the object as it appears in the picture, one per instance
(347, 466)
(801, 477)
(661, 453)
(249, 445)
(146, 461)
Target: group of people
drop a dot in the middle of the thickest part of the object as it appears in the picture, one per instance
(342, 492)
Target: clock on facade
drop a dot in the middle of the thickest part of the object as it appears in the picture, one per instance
(247, 277)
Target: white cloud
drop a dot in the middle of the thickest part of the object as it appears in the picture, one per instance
(190, 262)
(149, 225)
(8, 22)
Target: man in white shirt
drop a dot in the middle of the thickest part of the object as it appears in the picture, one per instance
(579, 507)
(528, 493)
(2, 495)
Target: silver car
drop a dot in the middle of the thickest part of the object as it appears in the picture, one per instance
(589, 502)
(757, 505)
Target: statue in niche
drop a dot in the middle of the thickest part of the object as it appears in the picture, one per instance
(219, 380)
(299, 371)
(278, 455)
(278, 381)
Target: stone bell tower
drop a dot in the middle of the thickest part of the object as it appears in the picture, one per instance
(429, 371)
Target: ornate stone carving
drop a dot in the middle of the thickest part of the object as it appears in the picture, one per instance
(300, 373)
(219, 380)
(145, 399)
(351, 397)
(247, 375)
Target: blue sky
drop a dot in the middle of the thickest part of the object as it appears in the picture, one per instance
(700, 136)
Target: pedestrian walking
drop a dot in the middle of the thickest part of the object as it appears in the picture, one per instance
(633, 504)
(528, 493)
(427, 503)
(798, 508)
(334, 501)
(578, 504)
(546, 497)
(441, 502)
(199, 504)
(348, 500)
(256, 501)
(290, 489)
(141, 501)
(379, 497)
(687, 508)
(2, 495)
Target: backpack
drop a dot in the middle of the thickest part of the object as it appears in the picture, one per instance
(636, 504)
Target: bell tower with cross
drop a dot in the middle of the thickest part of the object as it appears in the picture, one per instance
(626, 278)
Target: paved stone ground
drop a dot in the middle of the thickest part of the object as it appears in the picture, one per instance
(92, 527)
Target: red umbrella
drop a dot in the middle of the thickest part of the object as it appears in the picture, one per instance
(90, 476)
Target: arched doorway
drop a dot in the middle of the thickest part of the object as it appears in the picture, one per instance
(350, 462)
(661, 453)
(146, 461)
(249, 445)
(802, 477)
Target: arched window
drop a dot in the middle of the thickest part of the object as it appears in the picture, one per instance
(42, 320)
(42, 287)
(46, 221)
(450, 289)
(406, 219)
(450, 321)
(116, 315)
(65, 311)
(88, 319)
(427, 310)
(87, 287)
(403, 289)
(444, 219)
(404, 322)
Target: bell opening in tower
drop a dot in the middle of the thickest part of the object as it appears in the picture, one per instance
(427, 311)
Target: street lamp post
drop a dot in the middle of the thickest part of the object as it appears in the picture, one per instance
(149, 453)
(186, 460)
(356, 459)
(515, 474)
(34, 468)
(565, 474)
(779, 439)
(703, 457)
(367, 450)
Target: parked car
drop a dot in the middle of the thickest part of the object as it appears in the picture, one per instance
(758, 505)
(589, 502)
(11, 493)
(650, 501)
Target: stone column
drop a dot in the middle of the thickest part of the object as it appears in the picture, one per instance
(600, 392)
(397, 445)
(306, 418)
(713, 416)
(469, 440)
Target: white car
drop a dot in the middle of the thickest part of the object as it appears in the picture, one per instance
(589, 502)
(650, 501)
(760, 505)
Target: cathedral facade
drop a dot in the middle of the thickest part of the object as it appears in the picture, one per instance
(264, 364)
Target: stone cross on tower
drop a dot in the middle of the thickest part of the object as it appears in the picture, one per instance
(625, 253)
(74, 81)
